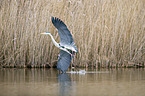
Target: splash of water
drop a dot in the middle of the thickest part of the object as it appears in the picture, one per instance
(83, 72)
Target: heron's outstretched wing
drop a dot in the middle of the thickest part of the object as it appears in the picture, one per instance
(64, 61)
(64, 33)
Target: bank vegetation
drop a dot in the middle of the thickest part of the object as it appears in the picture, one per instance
(108, 33)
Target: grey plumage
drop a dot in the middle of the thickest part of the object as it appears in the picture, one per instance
(64, 60)
(64, 33)
(67, 45)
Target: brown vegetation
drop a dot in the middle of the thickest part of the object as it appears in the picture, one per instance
(107, 33)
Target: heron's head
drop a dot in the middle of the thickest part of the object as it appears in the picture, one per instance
(45, 33)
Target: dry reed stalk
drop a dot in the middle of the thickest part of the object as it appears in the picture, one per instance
(107, 33)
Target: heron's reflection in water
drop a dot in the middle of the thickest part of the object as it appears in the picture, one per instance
(66, 85)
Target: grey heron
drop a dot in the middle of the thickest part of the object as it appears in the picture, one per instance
(67, 45)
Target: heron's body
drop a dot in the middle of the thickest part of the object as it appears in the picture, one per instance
(67, 46)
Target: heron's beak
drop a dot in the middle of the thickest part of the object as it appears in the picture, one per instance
(42, 33)
(45, 33)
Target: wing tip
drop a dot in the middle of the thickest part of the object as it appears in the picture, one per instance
(52, 19)
(55, 19)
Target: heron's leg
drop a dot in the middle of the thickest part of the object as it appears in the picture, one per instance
(73, 59)
(59, 71)
(64, 71)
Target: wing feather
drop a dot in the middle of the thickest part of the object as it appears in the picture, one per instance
(64, 33)
(64, 61)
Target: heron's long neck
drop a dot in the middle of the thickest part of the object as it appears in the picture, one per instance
(55, 43)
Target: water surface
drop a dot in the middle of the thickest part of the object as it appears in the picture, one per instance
(47, 82)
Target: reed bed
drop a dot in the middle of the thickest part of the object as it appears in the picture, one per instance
(108, 33)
